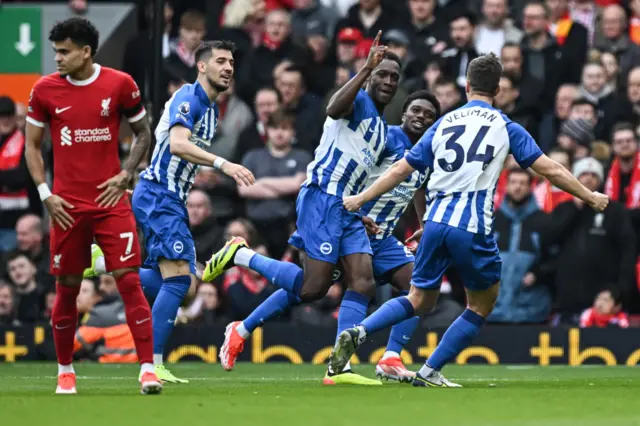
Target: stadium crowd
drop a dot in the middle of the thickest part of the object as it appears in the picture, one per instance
(571, 78)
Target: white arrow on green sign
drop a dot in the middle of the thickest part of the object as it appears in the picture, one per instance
(20, 44)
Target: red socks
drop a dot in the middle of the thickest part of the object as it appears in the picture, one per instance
(138, 315)
(64, 318)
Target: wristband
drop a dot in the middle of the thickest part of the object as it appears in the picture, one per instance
(44, 191)
(219, 161)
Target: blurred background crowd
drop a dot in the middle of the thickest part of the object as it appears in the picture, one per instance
(571, 78)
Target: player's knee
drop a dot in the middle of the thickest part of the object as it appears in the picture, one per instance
(70, 280)
(483, 302)
(423, 301)
(173, 268)
(314, 289)
(365, 286)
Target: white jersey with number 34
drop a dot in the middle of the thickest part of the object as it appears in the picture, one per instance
(464, 152)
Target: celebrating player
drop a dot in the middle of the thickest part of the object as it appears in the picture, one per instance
(392, 262)
(354, 138)
(82, 103)
(183, 136)
(464, 151)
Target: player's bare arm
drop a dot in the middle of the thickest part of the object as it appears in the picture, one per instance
(33, 153)
(341, 103)
(288, 185)
(180, 145)
(420, 204)
(389, 180)
(260, 190)
(563, 179)
(115, 187)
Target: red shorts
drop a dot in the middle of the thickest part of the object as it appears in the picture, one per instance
(114, 231)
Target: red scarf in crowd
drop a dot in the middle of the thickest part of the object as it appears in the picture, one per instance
(548, 196)
(189, 58)
(270, 43)
(563, 26)
(632, 192)
(241, 275)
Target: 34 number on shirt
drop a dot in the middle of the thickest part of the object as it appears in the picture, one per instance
(472, 155)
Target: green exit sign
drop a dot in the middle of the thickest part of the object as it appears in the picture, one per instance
(20, 43)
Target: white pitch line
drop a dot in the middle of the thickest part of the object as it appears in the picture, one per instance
(278, 379)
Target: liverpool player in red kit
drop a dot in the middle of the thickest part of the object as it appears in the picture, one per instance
(83, 103)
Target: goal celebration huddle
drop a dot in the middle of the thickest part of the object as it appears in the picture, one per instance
(364, 176)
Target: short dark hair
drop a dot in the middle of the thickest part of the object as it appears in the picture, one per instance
(392, 57)
(205, 50)
(279, 118)
(444, 80)
(15, 254)
(512, 79)
(79, 30)
(512, 44)
(193, 20)
(583, 101)
(469, 16)
(269, 89)
(517, 170)
(623, 126)
(422, 94)
(547, 11)
(484, 74)
(7, 107)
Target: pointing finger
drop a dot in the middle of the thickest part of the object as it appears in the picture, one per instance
(376, 41)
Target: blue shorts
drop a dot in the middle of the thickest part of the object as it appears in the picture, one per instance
(326, 230)
(389, 254)
(475, 256)
(164, 221)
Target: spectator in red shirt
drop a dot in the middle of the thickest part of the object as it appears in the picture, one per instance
(605, 312)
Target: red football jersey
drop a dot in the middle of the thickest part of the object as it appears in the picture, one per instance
(84, 119)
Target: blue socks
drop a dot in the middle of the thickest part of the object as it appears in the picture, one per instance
(401, 334)
(275, 305)
(165, 308)
(391, 313)
(151, 281)
(283, 274)
(458, 336)
(353, 310)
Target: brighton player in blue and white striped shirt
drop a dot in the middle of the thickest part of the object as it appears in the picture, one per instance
(354, 137)
(392, 261)
(464, 153)
(183, 135)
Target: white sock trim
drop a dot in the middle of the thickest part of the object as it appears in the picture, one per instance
(64, 369)
(242, 331)
(243, 256)
(146, 367)
(390, 354)
(425, 370)
(157, 359)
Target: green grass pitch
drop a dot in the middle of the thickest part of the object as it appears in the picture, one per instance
(285, 394)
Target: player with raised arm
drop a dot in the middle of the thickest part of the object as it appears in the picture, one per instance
(392, 262)
(82, 104)
(354, 137)
(184, 134)
(464, 153)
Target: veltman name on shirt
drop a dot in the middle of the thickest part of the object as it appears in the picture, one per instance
(471, 112)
